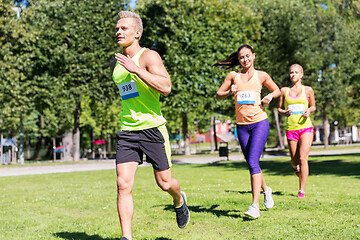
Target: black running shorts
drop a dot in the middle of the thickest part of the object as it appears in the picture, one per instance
(153, 142)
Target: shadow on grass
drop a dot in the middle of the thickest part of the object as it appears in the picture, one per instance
(210, 209)
(159, 238)
(278, 193)
(80, 236)
(341, 165)
(219, 213)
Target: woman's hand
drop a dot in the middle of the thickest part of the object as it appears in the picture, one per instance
(267, 99)
(306, 113)
(287, 113)
(233, 89)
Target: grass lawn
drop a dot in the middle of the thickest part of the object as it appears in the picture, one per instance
(82, 205)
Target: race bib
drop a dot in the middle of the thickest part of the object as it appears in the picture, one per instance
(128, 90)
(246, 97)
(296, 108)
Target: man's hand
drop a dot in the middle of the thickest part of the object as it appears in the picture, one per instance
(126, 62)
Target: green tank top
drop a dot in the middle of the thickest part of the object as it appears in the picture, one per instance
(140, 102)
(298, 105)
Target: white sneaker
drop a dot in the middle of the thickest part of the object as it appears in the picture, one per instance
(253, 211)
(268, 200)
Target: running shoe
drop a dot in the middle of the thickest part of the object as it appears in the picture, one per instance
(124, 238)
(253, 211)
(301, 194)
(268, 200)
(182, 213)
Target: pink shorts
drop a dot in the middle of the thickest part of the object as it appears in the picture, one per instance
(296, 134)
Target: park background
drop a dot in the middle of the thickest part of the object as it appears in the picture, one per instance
(56, 88)
(58, 98)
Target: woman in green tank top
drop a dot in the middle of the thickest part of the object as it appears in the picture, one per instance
(296, 103)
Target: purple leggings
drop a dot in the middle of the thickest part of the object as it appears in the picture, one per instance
(252, 139)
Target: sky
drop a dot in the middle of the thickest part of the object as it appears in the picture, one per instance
(133, 4)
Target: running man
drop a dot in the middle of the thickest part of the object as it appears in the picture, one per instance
(141, 78)
(252, 124)
(296, 103)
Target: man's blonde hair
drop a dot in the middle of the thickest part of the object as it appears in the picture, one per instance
(297, 65)
(135, 16)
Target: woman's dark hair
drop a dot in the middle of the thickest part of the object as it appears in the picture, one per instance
(233, 59)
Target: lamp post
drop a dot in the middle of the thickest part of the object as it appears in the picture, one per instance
(21, 150)
(17, 10)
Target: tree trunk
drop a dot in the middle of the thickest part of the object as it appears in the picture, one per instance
(104, 151)
(215, 137)
(54, 146)
(186, 133)
(109, 143)
(92, 144)
(69, 145)
(211, 131)
(278, 129)
(13, 156)
(27, 147)
(62, 154)
(178, 140)
(39, 140)
(1, 149)
(76, 146)
(326, 129)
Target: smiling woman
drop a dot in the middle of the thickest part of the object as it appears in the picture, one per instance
(297, 102)
(252, 125)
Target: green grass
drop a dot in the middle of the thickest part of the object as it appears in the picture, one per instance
(82, 205)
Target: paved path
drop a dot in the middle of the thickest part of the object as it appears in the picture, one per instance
(110, 164)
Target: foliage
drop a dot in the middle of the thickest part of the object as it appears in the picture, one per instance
(74, 44)
(284, 40)
(191, 36)
(100, 117)
(334, 65)
(61, 53)
(56, 58)
(15, 87)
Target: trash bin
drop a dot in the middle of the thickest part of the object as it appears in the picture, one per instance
(224, 151)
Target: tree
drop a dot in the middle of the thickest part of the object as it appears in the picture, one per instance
(99, 119)
(321, 43)
(286, 38)
(191, 36)
(15, 100)
(330, 64)
(74, 46)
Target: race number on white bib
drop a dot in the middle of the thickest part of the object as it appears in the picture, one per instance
(128, 90)
(296, 108)
(246, 97)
